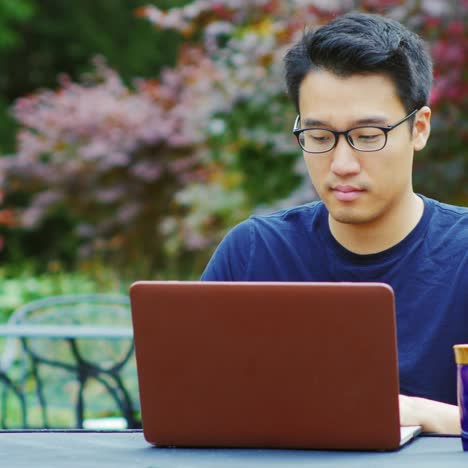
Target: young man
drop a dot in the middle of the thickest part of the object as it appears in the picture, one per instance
(361, 86)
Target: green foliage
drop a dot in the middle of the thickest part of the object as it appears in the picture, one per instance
(255, 152)
(44, 245)
(12, 13)
(22, 283)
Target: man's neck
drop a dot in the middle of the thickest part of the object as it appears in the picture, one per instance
(383, 232)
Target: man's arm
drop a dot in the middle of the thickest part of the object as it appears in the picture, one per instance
(232, 256)
(433, 416)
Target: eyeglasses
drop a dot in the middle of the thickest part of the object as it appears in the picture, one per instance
(365, 138)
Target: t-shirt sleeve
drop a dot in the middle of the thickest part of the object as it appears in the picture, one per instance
(231, 259)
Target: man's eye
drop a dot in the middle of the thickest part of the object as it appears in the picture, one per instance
(321, 139)
(319, 136)
(367, 138)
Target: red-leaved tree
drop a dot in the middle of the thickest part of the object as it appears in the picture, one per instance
(158, 171)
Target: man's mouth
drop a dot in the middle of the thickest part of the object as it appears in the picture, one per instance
(346, 193)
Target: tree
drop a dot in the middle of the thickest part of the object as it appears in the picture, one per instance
(247, 40)
(39, 39)
(156, 172)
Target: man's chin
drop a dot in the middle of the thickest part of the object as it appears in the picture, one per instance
(351, 218)
(350, 214)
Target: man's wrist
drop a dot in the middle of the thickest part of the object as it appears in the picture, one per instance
(435, 416)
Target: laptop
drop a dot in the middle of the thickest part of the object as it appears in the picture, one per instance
(268, 365)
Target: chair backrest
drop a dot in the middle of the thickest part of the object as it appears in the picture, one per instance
(45, 310)
(71, 309)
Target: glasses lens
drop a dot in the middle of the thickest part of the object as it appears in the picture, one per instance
(317, 140)
(367, 138)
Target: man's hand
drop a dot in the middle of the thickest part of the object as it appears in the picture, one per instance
(433, 416)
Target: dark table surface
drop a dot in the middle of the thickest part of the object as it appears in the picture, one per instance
(129, 449)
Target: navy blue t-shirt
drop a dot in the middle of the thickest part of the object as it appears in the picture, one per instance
(428, 271)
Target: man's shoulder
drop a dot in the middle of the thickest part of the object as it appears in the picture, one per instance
(295, 214)
(294, 224)
(447, 217)
(447, 210)
(264, 218)
(250, 251)
(448, 225)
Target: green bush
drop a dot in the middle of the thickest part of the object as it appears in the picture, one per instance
(23, 284)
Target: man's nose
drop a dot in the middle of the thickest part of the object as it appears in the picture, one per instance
(344, 159)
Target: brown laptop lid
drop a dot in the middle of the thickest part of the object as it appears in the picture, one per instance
(296, 365)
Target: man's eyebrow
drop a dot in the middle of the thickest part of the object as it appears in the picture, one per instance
(371, 121)
(313, 123)
(377, 120)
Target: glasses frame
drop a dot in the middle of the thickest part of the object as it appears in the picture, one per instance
(297, 132)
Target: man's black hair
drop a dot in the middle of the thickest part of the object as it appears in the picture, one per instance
(359, 43)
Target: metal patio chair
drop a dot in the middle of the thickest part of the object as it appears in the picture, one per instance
(95, 374)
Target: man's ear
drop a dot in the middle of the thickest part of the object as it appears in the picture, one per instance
(421, 128)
